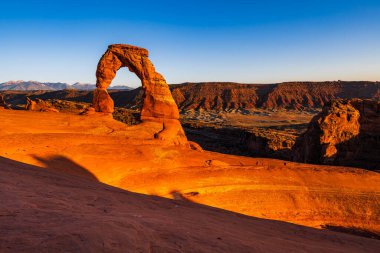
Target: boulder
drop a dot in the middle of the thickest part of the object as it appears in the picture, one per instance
(346, 132)
(39, 105)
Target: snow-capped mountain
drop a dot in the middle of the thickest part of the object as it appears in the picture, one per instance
(83, 86)
(34, 85)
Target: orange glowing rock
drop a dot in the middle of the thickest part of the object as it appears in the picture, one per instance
(39, 105)
(344, 133)
(158, 103)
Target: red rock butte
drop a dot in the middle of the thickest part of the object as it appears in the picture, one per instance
(158, 103)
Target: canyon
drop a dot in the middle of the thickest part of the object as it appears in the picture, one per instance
(253, 120)
(189, 167)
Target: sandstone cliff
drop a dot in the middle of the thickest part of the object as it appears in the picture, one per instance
(346, 132)
(225, 96)
(290, 95)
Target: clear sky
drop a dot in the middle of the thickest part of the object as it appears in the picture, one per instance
(252, 41)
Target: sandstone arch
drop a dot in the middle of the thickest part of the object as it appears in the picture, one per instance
(158, 103)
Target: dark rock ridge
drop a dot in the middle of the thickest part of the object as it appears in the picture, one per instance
(273, 142)
(2, 101)
(346, 132)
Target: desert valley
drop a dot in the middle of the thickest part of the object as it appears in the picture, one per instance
(189, 126)
(199, 167)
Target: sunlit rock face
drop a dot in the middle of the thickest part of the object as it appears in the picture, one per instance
(346, 132)
(39, 105)
(158, 103)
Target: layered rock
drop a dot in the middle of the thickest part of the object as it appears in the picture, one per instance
(158, 103)
(39, 105)
(290, 95)
(346, 132)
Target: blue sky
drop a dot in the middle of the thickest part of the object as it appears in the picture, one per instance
(244, 41)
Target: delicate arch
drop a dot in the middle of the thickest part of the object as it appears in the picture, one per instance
(157, 100)
(158, 103)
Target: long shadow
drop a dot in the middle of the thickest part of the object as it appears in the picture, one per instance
(15, 172)
(177, 195)
(64, 165)
(353, 231)
(183, 196)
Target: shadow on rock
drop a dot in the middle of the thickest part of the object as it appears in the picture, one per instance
(353, 231)
(65, 165)
(183, 196)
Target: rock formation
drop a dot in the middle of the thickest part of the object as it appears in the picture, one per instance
(84, 149)
(158, 103)
(39, 105)
(2, 102)
(346, 132)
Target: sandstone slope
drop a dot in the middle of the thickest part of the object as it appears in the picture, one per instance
(128, 157)
(48, 210)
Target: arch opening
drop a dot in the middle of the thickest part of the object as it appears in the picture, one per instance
(127, 78)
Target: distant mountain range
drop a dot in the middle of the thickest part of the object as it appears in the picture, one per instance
(34, 85)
